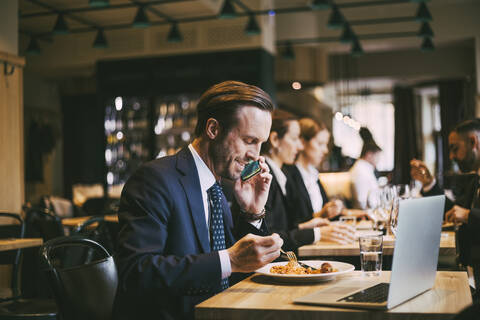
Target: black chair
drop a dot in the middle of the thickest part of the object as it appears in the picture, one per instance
(16, 307)
(40, 222)
(105, 232)
(82, 291)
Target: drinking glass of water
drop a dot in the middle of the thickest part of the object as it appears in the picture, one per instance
(371, 250)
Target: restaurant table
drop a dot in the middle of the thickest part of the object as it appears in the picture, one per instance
(323, 248)
(77, 221)
(13, 243)
(258, 297)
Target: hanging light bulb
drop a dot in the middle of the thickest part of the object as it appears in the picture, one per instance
(98, 3)
(33, 48)
(100, 40)
(423, 14)
(335, 21)
(174, 34)
(141, 18)
(252, 28)
(60, 26)
(347, 34)
(227, 11)
(427, 45)
(357, 49)
(320, 4)
(425, 30)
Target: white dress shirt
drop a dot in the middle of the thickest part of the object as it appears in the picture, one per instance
(282, 181)
(279, 175)
(310, 179)
(363, 179)
(207, 179)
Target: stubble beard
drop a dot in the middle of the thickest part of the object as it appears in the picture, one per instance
(219, 155)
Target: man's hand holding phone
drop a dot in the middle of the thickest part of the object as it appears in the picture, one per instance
(251, 190)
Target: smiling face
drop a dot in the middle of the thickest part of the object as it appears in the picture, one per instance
(316, 148)
(289, 145)
(232, 150)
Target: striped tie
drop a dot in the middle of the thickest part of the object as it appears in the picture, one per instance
(217, 232)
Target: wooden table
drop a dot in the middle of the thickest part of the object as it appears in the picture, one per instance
(257, 297)
(12, 244)
(75, 222)
(322, 248)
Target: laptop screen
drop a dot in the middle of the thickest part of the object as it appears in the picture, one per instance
(416, 248)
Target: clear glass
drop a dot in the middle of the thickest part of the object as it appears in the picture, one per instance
(403, 191)
(394, 217)
(371, 252)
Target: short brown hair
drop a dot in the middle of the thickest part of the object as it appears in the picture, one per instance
(222, 102)
(280, 120)
(309, 128)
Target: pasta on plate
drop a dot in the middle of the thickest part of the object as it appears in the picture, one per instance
(294, 268)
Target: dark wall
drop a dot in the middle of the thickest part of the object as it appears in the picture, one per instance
(84, 143)
(84, 151)
(185, 73)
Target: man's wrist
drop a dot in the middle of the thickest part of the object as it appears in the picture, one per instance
(251, 216)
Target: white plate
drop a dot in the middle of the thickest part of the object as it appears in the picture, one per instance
(367, 233)
(342, 268)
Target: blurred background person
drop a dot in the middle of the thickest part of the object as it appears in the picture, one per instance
(305, 192)
(282, 147)
(362, 174)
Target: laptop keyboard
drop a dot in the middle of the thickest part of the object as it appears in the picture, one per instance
(376, 294)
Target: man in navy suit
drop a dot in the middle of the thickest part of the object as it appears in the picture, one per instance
(166, 258)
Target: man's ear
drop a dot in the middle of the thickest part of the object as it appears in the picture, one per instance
(473, 141)
(212, 128)
(273, 138)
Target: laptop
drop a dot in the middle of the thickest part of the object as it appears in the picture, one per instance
(414, 264)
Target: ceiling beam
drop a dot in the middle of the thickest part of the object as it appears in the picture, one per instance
(68, 14)
(389, 35)
(153, 10)
(88, 9)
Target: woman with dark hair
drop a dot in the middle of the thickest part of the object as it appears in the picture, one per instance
(362, 174)
(281, 148)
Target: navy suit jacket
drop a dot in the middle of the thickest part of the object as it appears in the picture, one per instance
(163, 257)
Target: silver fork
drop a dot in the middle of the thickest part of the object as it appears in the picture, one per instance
(293, 257)
(290, 255)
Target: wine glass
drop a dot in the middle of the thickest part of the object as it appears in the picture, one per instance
(394, 216)
(415, 188)
(403, 191)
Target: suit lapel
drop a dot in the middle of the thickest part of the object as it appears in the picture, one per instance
(191, 185)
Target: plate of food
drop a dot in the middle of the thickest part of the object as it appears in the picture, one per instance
(289, 271)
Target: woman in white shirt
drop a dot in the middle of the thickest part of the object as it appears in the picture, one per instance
(304, 189)
(282, 148)
(362, 174)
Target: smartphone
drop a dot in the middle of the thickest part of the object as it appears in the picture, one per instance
(251, 169)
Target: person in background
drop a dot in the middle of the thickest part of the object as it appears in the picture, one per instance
(305, 192)
(282, 147)
(362, 174)
(176, 246)
(464, 149)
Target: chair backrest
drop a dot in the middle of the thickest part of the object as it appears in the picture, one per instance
(12, 257)
(84, 291)
(105, 232)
